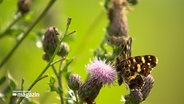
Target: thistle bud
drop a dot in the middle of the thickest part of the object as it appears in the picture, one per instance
(90, 89)
(50, 41)
(63, 49)
(118, 25)
(135, 97)
(24, 6)
(46, 57)
(146, 88)
(74, 82)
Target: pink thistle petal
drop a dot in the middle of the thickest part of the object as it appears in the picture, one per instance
(102, 71)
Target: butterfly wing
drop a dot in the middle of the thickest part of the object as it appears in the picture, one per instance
(131, 69)
(119, 71)
(124, 54)
(136, 83)
(142, 64)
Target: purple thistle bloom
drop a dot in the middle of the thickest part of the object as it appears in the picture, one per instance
(102, 71)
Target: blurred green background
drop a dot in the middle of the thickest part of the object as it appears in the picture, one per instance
(157, 27)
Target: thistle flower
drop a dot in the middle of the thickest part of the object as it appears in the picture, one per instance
(102, 71)
(101, 74)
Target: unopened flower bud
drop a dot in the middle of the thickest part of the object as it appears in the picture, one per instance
(90, 89)
(146, 88)
(50, 41)
(118, 25)
(63, 49)
(74, 82)
(24, 6)
(135, 97)
(45, 57)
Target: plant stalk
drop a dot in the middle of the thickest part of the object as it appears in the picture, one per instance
(25, 34)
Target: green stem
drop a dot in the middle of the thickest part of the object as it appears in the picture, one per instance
(37, 80)
(54, 70)
(26, 33)
(58, 61)
(106, 4)
(17, 18)
(22, 84)
(103, 43)
(59, 78)
(58, 75)
(75, 93)
(60, 83)
(48, 65)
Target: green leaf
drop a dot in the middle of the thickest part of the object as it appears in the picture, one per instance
(9, 88)
(12, 84)
(68, 62)
(52, 80)
(59, 91)
(2, 80)
(106, 4)
(51, 84)
(67, 75)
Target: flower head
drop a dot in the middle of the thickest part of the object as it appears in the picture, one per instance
(90, 90)
(102, 71)
(74, 82)
(63, 49)
(137, 96)
(24, 6)
(146, 88)
(50, 42)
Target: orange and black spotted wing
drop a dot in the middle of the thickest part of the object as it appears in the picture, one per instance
(141, 64)
(124, 54)
(119, 70)
(131, 69)
(136, 83)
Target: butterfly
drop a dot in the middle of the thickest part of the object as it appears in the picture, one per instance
(131, 69)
